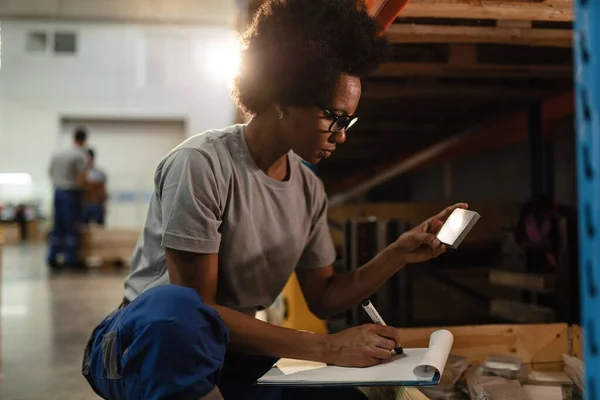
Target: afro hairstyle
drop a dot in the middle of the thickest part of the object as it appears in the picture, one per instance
(295, 51)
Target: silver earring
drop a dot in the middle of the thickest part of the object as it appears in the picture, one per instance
(280, 114)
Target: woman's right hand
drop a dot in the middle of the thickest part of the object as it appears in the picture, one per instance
(362, 346)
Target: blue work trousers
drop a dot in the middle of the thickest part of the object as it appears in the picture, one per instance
(65, 235)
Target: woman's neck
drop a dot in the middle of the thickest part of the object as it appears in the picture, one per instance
(267, 146)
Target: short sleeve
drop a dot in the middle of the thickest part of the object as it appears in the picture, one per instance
(319, 250)
(190, 205)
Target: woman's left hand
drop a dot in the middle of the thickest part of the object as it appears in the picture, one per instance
(420, 243)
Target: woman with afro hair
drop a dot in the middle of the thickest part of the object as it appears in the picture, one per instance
(235, 212)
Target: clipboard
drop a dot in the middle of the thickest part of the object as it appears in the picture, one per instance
(415, 367)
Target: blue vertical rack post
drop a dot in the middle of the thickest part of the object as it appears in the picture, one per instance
(587, 92)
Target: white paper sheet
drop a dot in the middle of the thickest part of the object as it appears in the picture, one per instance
(415, 366)
(291, 366)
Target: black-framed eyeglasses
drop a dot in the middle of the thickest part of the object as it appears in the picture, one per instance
(338, 122)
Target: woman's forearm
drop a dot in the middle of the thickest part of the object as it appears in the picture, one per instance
(252, 336)
(346, 290)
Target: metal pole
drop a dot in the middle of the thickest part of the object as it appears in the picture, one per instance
(587, 80)
(541, 155)
(536, 150)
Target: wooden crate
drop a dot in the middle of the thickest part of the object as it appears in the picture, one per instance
(108, 247)
(541, 346)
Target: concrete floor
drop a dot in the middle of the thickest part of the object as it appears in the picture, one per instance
(46, 319)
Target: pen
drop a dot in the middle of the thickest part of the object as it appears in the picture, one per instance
(376, 318)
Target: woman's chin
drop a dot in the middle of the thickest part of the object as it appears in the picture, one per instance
(313, 159)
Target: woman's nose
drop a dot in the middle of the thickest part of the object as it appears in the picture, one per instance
(338, 137)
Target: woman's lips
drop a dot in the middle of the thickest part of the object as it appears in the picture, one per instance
(326, 153)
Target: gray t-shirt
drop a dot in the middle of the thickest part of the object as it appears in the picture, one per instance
(210, 197)
(66, 166)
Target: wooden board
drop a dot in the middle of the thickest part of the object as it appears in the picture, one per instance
(422, 69)
(540, 345)
(413, 33)
(548, 10)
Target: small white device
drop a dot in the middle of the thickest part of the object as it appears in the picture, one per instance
(457, 227)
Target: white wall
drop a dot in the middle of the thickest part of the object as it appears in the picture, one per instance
(179, 11)
(120, 71)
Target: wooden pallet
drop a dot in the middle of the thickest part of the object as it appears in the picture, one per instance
(105, 248)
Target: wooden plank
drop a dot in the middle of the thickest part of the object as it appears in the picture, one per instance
(535, 282)
(462, 55)
(548, 10)
(537, 344)
(520, 312)
(509, 23)
(413, 33)
(403, 69)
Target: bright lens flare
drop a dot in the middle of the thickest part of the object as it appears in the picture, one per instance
(222, 58)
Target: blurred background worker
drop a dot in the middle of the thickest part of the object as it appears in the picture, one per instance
(94, 193)
(67, 171)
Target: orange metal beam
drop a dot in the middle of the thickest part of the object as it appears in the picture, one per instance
(513, 129)
(386, 11)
